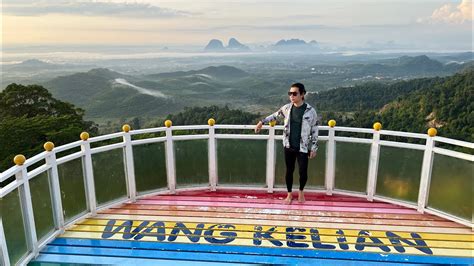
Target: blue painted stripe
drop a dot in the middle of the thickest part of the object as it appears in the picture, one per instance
(102, 260)
(202, 257)
(265, 251)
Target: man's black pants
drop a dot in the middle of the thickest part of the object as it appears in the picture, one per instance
(290, 157)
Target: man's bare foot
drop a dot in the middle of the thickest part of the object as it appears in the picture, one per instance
(301, 198)
(288, 199)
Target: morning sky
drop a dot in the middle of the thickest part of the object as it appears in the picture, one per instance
(412, 24)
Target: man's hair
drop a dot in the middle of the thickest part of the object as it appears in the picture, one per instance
(300, 87)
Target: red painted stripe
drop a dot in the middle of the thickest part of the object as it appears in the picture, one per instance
(276, 206)
(273, 200)
(264, 194)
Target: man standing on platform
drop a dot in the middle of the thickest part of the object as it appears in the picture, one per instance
(300, 136)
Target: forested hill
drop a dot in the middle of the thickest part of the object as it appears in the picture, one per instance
(446, 104)
(30, 116)
(372, 95)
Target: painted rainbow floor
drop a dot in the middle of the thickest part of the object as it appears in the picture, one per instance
(249, 227)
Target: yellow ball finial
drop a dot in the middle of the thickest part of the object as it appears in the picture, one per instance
(48, 146)
(84, 136)
(432, 132)
(211, 122)
(126, 128)
(19, 159)
(377, 126)
(168, 123)
(272, 123)
(332, 123)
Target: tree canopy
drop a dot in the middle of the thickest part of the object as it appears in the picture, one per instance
(223, 115)
(30, 116)
(444, 103)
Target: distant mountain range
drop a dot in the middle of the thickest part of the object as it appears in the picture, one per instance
(291, 45)
(215, 45)
(296, 45)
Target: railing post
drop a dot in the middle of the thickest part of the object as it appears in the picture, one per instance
(55, 188)
(88, 173)
(271, 158)
(27, 206)
(212, 159)
(330, 158)
(373, 163)
(129, 164)
(170, 164)
(4, 258)
(426, 171)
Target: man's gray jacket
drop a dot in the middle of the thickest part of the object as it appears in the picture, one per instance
(309, 127)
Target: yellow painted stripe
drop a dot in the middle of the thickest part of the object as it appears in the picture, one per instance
(265, 243)
(417, 229)
(322, 231)
(280, 234)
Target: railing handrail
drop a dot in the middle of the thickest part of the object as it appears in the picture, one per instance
(42, 156)
(455, 142)
(23, 175)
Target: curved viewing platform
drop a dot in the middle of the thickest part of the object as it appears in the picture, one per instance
(212, 194)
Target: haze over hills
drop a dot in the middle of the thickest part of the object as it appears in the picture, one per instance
(221, 72)
(456, 58)
(81, 88)
(330, 69)
(405, 66)
(365, 89)
(36, 65)
(33, 71)
(32, 64)
(104, 93)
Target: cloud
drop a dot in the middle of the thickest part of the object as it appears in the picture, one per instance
(88, 8)
(451, 14)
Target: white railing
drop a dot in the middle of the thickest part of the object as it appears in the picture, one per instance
(23, 176)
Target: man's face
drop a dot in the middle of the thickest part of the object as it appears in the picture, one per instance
(295, 96)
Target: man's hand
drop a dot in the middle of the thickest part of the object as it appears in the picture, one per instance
(312, 154)
(258, 127)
